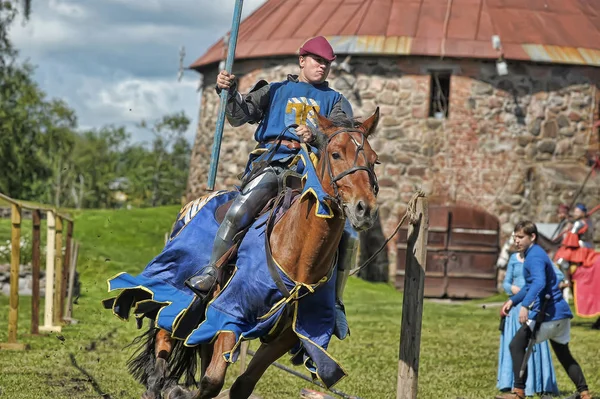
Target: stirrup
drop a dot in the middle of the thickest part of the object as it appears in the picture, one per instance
(203, 294)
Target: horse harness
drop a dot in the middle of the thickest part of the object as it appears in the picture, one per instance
(360, 149)
(272, 266)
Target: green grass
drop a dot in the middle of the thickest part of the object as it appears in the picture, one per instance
(458, 347)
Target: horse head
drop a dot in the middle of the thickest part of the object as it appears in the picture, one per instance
(347, 168)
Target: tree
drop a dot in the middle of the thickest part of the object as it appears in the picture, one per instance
(97, 161)
(170, 168)
(20, 146)
(26, 117)
(43, 157)
(58, 123)
(8, 13)
(36, 137)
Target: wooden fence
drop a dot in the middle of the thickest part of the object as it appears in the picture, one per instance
(58, 270)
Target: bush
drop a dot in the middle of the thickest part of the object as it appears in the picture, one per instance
(26, 247)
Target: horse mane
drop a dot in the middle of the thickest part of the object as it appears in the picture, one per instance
(338, 120)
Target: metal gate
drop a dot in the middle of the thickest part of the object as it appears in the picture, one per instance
(462, 249)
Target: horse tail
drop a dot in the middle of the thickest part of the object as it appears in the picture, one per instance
(142, 362)
(183, 361)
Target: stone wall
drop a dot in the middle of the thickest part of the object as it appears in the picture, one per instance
(513, 145)
(25, 280)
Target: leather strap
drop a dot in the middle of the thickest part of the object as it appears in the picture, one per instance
(273, 268)
(292, 145)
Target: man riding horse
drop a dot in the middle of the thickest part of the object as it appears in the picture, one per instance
(275, 107)
(285, 284)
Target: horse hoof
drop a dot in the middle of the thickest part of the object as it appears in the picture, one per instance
(177, 392)
(150, 395)
(223, 395)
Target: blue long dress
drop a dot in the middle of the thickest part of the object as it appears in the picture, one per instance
(541, 377)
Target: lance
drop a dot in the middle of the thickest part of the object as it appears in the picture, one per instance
(216, 149)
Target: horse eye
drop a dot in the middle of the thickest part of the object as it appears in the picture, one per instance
(335, 155)
(377, 162)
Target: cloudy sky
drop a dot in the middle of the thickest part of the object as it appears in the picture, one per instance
(116, 61)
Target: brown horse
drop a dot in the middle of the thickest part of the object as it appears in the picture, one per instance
(303, 244)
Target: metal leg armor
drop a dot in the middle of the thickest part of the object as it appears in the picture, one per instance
(252, 198)
(348, 251)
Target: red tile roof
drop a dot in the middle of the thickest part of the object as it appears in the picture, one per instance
(561, 31)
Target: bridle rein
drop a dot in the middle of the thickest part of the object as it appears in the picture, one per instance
(360, 149)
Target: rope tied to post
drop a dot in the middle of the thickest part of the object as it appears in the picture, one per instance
(410, 213)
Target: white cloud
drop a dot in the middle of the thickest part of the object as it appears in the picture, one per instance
(116, 61)
(135, 99)
(67, 9)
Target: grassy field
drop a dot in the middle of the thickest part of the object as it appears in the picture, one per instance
(87, 360)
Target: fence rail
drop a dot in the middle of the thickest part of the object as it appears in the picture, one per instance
(57, 270)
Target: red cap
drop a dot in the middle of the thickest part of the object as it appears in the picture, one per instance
(563, 207)
(318, 46)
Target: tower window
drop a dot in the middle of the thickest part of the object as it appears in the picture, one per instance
(440, 94)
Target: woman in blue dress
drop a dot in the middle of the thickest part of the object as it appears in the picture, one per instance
(541, 377)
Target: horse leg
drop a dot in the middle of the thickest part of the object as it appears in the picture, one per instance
(181, 392)
(206, 353)
(214, 376)
(157, 378)
(265, 355)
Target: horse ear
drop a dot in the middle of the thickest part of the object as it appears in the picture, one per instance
(324, 123)
(371, 124)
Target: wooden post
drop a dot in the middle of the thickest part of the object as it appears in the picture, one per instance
(73, 267)
(58, 271)
(35, 266)
(15, 261)
(412, 304)
(49, 298)
(243, 355)
(65, 270)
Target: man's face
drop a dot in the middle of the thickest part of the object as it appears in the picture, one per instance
(562, 214)
(314, 68)
(578, 213)
(522, 240)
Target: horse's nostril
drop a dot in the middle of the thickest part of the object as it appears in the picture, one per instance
(360, 208)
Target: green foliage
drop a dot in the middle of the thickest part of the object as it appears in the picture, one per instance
(45, 158)
(163, 176)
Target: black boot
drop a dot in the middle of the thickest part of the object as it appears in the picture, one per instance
(204, 282)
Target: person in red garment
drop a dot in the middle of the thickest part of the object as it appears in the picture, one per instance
(586, 294)
(576, 248)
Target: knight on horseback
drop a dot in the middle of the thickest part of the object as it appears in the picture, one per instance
(274, 107)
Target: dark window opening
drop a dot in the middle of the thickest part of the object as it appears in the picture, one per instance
(439, 100)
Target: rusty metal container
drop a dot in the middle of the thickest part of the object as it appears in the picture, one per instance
(462, 249)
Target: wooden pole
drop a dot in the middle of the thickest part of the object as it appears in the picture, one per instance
(243, 356)
(73, 267)
(412, 304)
(65, 272)
(15, 261)
(50, 258)
(35, 266)
(58, 271)
(233, 35)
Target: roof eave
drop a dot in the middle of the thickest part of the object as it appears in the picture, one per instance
(433, 47)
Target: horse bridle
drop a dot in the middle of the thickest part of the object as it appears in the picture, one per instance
(360, 149)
